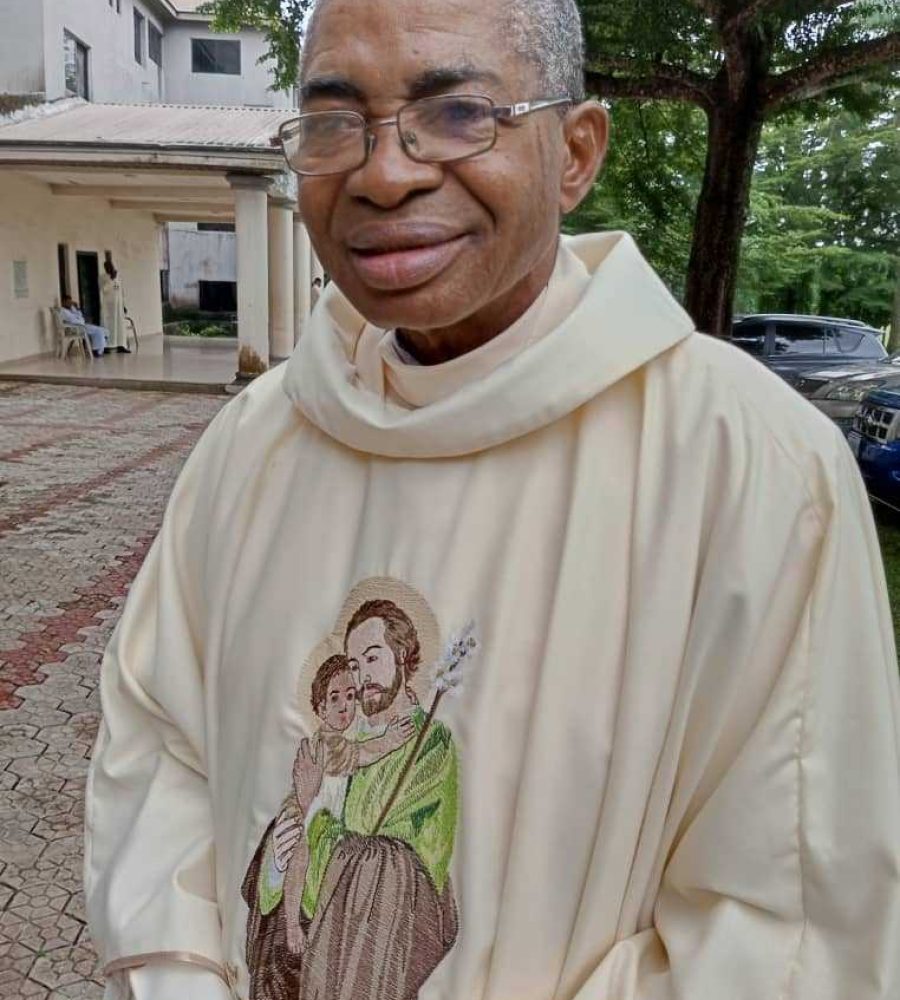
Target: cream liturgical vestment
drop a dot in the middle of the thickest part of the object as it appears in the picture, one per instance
(588, 635)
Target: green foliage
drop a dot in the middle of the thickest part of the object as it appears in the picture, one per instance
(824, 221)
(682, 33)
(281, 21)
(650, 183)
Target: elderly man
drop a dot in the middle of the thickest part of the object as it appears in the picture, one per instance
(655, 591)
(71, 315)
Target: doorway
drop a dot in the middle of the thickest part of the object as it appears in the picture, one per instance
(62, 263)
(88, 265)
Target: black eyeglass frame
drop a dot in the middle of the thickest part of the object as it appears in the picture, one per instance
(499, 112)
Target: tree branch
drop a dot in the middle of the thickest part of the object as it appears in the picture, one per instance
(625, 77)
(829, 70)
(656, 88)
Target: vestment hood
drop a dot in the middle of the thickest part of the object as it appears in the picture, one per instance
(623, 319)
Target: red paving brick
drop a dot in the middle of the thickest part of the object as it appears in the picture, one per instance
(84, 478)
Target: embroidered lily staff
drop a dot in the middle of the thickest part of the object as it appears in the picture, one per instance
(448, 677)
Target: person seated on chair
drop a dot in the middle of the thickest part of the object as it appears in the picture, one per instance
(73, 316)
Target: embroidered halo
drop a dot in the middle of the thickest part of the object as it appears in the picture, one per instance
(411, 603)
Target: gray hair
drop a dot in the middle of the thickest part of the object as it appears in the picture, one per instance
(549, 35)
(546, 33)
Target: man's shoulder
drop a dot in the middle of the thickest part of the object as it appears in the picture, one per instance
(717, 382)
(720, 412)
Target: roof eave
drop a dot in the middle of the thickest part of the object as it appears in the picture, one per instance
(21, 154)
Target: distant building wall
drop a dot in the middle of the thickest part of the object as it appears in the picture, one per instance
(114, 73)
(194, 257)
(183, 86)
(32, 225)
(22, 47)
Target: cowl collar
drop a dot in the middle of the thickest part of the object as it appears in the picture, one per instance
(597, 322)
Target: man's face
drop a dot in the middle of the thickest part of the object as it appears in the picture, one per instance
(378, 675)
(339, 708)
(426, 246)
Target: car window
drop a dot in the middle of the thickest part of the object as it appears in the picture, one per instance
(799, 338)
(871, 347)
(842, 341)
(750, 337)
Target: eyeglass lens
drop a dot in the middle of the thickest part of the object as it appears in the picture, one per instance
(433, 130)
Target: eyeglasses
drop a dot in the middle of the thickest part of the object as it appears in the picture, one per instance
(443, 129)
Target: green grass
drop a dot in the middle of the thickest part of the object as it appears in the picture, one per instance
(889, 531)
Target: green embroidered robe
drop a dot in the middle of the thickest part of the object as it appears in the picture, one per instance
(423, 815)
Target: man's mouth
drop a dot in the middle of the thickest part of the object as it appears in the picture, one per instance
(394, 258)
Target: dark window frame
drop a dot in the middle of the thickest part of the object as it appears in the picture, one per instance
(204, 60)
(788, 332)
(139, 21)
(217, 296)
(154, 44)
(215, 227)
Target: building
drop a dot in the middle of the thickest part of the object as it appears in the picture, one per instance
(130, 51)
(155, 178)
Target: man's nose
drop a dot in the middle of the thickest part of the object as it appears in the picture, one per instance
(389, 176)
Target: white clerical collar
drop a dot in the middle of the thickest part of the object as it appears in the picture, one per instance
(415, 385)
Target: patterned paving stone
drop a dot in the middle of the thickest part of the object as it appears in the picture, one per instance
(84, 478)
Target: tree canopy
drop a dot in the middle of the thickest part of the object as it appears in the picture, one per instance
(737, 123)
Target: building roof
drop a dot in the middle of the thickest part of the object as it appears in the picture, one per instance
(154, 136)
(149, 125)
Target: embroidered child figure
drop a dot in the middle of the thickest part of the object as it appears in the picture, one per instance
(323, 766)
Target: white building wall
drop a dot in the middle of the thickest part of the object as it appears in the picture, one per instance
(196, 257)
(183, 86)
(32, 224)
(114, 73)
(22, 46)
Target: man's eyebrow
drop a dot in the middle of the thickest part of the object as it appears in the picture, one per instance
(435, 81)
(374, 645)
(331, 86)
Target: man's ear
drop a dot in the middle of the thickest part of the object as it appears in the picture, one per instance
(586, 133)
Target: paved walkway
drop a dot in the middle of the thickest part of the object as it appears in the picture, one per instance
(84, 477)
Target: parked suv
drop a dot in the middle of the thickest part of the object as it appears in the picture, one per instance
(875, 440)
(840, 398)
(793, 345)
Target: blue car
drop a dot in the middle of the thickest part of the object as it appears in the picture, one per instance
(875, 440)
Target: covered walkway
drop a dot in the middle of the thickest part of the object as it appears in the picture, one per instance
(96, 173)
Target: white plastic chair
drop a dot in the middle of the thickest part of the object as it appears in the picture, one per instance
(69, 336)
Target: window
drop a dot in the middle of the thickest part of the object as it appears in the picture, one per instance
(218, 296)
(76, 65)
(856, 342)
(154, 44)
(215, 55)
(843, 341)
(215, 227)
(799, 338)
(139, 37)
(750, 337)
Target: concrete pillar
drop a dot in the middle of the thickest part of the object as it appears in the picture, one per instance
(281, 278)
(302, 278)
(252, 228)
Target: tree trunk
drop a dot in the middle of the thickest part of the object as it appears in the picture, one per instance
(735, 128)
